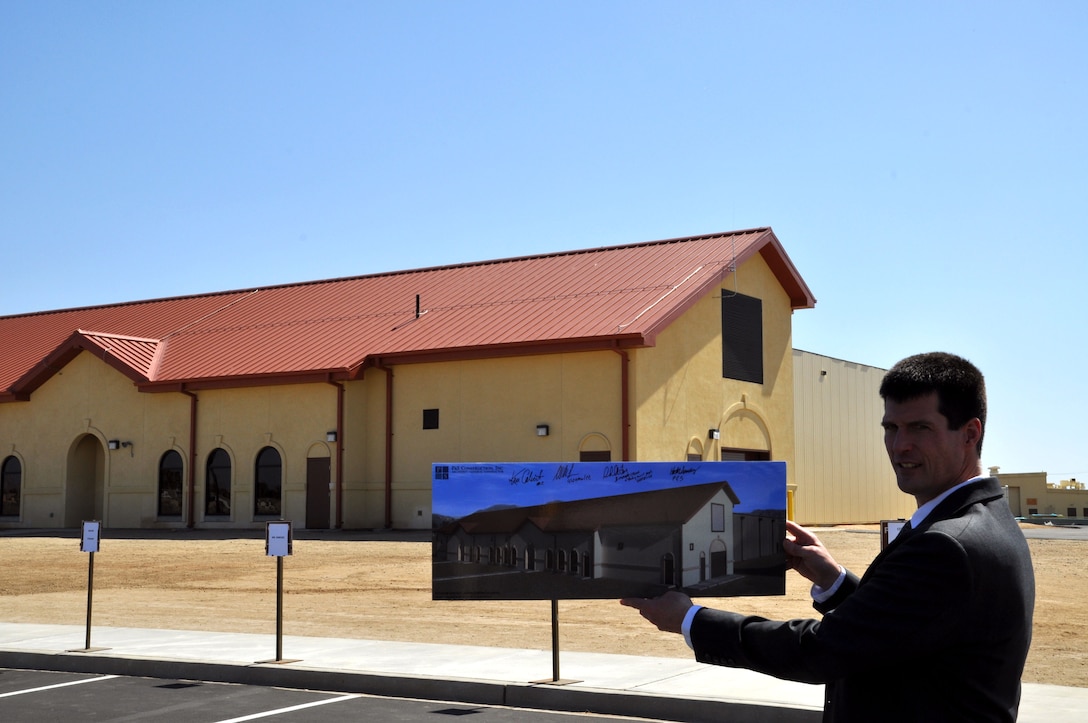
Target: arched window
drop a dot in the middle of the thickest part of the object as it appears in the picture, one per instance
(269, 476)
(11, 487)
(171, 469)
(530, 557)
(217, 484)
(574, 561)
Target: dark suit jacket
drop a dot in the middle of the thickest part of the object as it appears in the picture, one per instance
(937, 629)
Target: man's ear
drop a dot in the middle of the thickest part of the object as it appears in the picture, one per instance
(972, 432)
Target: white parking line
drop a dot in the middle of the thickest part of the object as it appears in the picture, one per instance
(58, 685)
(267, 713)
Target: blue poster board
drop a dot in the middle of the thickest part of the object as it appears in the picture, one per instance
(582, 530)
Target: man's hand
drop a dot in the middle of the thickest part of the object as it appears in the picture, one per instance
(666, 612)
(808, 556)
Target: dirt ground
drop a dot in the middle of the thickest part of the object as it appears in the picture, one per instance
(375, 586)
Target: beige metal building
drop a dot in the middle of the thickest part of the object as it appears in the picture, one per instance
(841, 472)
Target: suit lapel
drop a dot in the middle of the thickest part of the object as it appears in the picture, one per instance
(984, 490)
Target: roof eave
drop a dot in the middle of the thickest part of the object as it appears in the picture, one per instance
(251, 380)
(776, 259)
(356, 372)
(491, 351)
(60, 357)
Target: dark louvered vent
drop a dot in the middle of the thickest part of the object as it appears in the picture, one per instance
(742, 338)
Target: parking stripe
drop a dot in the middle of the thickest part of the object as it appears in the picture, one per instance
(58, 685)
(267, 713)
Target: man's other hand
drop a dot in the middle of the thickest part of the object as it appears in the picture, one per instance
(808, 556)
(666, 612)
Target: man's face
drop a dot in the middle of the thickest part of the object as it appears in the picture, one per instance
(927, 456)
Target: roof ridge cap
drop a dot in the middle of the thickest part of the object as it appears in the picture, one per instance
(126, 337)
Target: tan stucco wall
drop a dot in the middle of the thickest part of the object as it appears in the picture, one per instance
(488, 412)
(89, 398)
(680, 394)
(291, 418)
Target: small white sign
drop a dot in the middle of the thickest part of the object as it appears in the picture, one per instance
(88, 541)
(889, 530)
(278, 539)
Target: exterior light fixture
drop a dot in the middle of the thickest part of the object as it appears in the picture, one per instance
(330, 436)
(714, 434)
(113, 444)
(542, 430)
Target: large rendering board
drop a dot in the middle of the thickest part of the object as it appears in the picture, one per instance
(553, 531)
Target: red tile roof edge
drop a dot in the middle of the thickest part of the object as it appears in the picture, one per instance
(402, 272)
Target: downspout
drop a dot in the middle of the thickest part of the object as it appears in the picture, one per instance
(625, 403)
(338, 482)
(190, 522)
(388, 443)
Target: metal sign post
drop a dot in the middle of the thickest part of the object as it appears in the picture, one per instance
(555, 679)
(88, 542)
(278, 543)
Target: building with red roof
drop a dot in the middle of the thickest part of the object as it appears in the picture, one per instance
(326, 402)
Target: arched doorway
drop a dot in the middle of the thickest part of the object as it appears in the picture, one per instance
(85, 481)
(719, 559)
(668, 570)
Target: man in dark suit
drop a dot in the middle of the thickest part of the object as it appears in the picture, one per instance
(938, 627)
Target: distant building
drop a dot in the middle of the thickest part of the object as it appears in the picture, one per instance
(841, 469)
(1030, 495)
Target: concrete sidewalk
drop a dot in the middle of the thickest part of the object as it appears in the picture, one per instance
(664, 688)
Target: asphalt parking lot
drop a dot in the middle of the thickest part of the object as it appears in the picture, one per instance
(41, 696)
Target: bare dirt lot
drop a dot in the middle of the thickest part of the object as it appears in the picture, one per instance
(377, 586)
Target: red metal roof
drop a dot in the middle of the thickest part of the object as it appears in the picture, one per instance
(674, 506)
(612, 297)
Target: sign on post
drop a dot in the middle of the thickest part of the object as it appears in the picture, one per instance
(278, 543)
(278, 539)
(88, 540)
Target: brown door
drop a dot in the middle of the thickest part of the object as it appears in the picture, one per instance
(318, 476)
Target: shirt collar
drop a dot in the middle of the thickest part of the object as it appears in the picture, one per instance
(922, 512)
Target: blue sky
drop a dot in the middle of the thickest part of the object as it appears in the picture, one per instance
(923, 164)
(466, 488)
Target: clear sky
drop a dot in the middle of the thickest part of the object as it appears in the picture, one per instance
(923, 163)
(468, 488)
